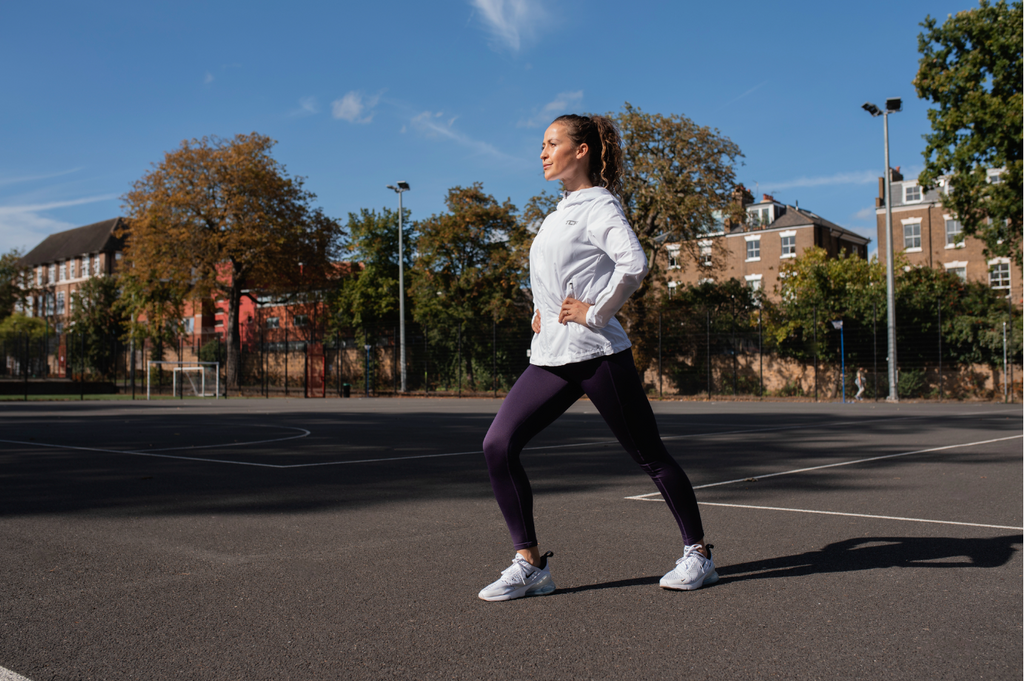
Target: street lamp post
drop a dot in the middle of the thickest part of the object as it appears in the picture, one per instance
(842, 356)
(401, 187)
(892, 105)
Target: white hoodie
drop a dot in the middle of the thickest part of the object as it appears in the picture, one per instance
(585, 249)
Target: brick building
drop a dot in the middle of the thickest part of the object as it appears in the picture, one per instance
(928, 236)
(755, 251)
(63, 262)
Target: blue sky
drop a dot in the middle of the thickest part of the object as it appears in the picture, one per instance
(361, 95)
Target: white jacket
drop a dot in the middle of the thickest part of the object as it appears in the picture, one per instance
(587, 250)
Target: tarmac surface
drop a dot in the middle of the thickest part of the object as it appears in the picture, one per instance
(347, 539)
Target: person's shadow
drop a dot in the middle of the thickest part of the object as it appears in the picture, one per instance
(864, 553)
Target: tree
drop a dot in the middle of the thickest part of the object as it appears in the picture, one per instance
(368, 293)
(971, 68)
(216, 217)
(468, 270)
(97, 315)
(12, 275)
(678, 178)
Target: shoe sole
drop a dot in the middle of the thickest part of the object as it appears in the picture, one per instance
(708, 580)
(542, 591)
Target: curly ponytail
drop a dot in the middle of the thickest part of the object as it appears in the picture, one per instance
(602, 139)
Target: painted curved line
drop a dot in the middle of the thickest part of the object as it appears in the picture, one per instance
(303, 431)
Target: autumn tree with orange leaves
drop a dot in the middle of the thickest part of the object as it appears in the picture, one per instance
(217, 217)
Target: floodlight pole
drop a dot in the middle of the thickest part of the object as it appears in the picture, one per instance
(891, 106)
(399, 189)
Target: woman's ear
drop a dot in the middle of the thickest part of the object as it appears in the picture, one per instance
(582, 150)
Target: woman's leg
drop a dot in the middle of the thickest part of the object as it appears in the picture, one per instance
(613, 385)
(534, 402)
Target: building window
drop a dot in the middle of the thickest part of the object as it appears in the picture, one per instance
(994, 175)
(754, 281)
(789, 245)
(705, 253)
(673, 258)
(954, 233)
(754, 249)
(959, 271)
(273, 323)
(39, 276)
(63, 271)
(28, 306)
(188, 324)
(672, 285)
(911, 193)
(96, 264)
(999, 275)
(52, 274)
(912, 236)
(60, 302)
(48, 305)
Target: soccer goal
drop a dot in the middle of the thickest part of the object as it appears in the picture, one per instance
(195, 379)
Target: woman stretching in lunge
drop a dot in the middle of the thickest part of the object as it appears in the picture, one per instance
(585, 262)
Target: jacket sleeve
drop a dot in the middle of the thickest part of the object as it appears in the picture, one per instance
(610, 232)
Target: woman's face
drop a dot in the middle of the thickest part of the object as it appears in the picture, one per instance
(561, 159)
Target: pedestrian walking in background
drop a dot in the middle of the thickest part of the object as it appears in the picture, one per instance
(585, 263)
(860, 381)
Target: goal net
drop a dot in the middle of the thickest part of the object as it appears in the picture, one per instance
(188, 379)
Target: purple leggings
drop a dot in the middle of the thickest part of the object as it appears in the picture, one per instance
(541, 395)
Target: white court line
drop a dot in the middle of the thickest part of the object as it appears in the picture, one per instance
(643, 497)
(859, 515)
(8, 675)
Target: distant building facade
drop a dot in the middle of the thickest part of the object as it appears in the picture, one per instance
(927, 235)
(58, 266)
(754, 252)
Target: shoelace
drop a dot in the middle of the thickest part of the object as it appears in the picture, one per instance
(515, 573)
(690, 553)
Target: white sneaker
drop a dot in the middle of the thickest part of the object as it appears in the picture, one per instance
(692, 571)
(521, 579)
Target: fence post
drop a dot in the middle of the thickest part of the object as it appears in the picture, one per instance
(460, 358)
(940, 349)
(661, 389)
(305, 372)
(708, 312)
(286, 348)
(24, 364)
(81, 365)
(494, 359)
(760, 351)
(874, 341)
(815, 353)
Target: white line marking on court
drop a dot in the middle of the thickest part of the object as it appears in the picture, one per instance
(643, 497)
(8, 675)
(856, 515)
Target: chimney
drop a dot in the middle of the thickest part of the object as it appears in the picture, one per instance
(895, 175)
(768, 197)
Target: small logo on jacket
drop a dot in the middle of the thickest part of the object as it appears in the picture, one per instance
(570, 222)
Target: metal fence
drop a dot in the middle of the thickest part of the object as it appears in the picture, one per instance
(691, 353)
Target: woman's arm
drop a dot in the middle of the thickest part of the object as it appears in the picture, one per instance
(610, 232)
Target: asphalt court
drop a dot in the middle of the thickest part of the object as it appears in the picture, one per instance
(347, 539)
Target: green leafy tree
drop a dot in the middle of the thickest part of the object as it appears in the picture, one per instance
(367, 293)
(970, 68)
(468, 272)
(217, 217)
(12, 275)
(98, 319)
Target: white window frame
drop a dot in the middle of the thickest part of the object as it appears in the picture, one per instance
(60, 302)
(673, 257)
(272, 323)
(96, 264)
(755, 281)
(63, 270)
(994, 175)
(51, 274)
(1004, 265)
(29, 306)
(907, 223)
(960, 265)
(672, 286)
(706, 254)
(749, 240)
(946, 220)
(912, 185)
(782, 241)
(39, 275)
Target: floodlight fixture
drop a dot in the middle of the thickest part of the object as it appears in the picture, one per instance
(871, 109)
(893, 104)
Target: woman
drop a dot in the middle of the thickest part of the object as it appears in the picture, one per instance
(585, 262)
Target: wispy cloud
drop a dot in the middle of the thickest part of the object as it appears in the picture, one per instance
(33, 178)
(562, 103)
(510, 21)
(307, 107)
(355, 107)
(858, 177)
(24, 226)
(864, 214)
(209, 78)
(434, 124)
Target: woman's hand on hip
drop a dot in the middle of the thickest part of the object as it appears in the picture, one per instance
(536, 322)
(573, 311)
